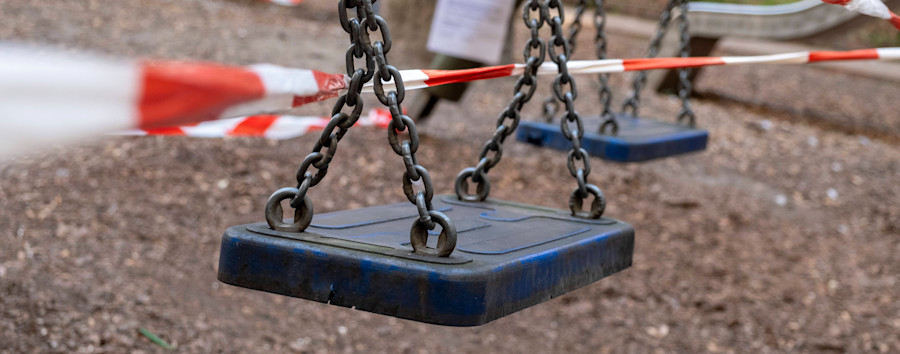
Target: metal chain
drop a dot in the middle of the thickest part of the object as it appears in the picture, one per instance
(329, 139)
(634, 99)
(535, 52)
(684, 74)
(406, 148)
(609, 126)
(551, 104)
(571, 126)
(361, 28)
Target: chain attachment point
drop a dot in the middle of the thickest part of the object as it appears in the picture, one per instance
(418, 236)
(275, 213)
(576, 202)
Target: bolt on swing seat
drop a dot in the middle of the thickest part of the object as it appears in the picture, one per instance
(633, 138)
(489, 258)
(638, 139)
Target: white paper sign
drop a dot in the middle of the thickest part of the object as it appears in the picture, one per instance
(470, 29)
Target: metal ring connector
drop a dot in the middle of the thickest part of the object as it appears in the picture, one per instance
(609, 127)
(598, 206)
(462, 186)
(418, 236)
(275, 213)
(687, 117)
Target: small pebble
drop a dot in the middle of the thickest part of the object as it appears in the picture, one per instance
(658, 332)
(301, 344)
(222, 184)
(342, 330)
(864, 140)
(812, 141)
(843, 229)
(837, 167)
(781, 200)
(832, 194)
(766, 124)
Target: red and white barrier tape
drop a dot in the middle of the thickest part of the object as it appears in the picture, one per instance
(874, 8)
(58, 98)
(417, 79)
(265, 126)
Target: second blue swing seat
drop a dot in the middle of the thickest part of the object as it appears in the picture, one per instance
(638, 139)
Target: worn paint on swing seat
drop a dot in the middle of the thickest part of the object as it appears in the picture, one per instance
(509, 257)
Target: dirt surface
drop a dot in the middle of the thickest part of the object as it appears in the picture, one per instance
(783, 236)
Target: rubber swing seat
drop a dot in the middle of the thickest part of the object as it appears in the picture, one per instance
(508, 257)
(638, 139)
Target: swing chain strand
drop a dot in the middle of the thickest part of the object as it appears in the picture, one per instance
(551, 104)
(361, 28)
(686, 116)
(406, 148)
(571, 125)
(634, 99)
(336, 129)
(535, 53)
(609, 121)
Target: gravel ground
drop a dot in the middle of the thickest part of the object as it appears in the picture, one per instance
(783, 236)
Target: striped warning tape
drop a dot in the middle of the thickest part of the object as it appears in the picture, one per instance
(265, 126)
(417, 79)
(47, 98)
(52, 97)
(874, 8)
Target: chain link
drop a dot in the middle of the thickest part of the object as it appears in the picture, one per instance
(406, 149)
(564, 90)
(609, 125)
(535, 53)
(551, 105)
(571, 125)
(362, 28)
(686, 116)
(634, 99)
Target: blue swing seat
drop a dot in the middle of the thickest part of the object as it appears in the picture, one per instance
(638, 139)
(508, 257)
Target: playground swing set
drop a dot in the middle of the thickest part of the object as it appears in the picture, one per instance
(466, 260)
(459, 259)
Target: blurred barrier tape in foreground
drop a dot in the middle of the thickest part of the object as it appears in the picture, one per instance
(264, 126)
(53, 97)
